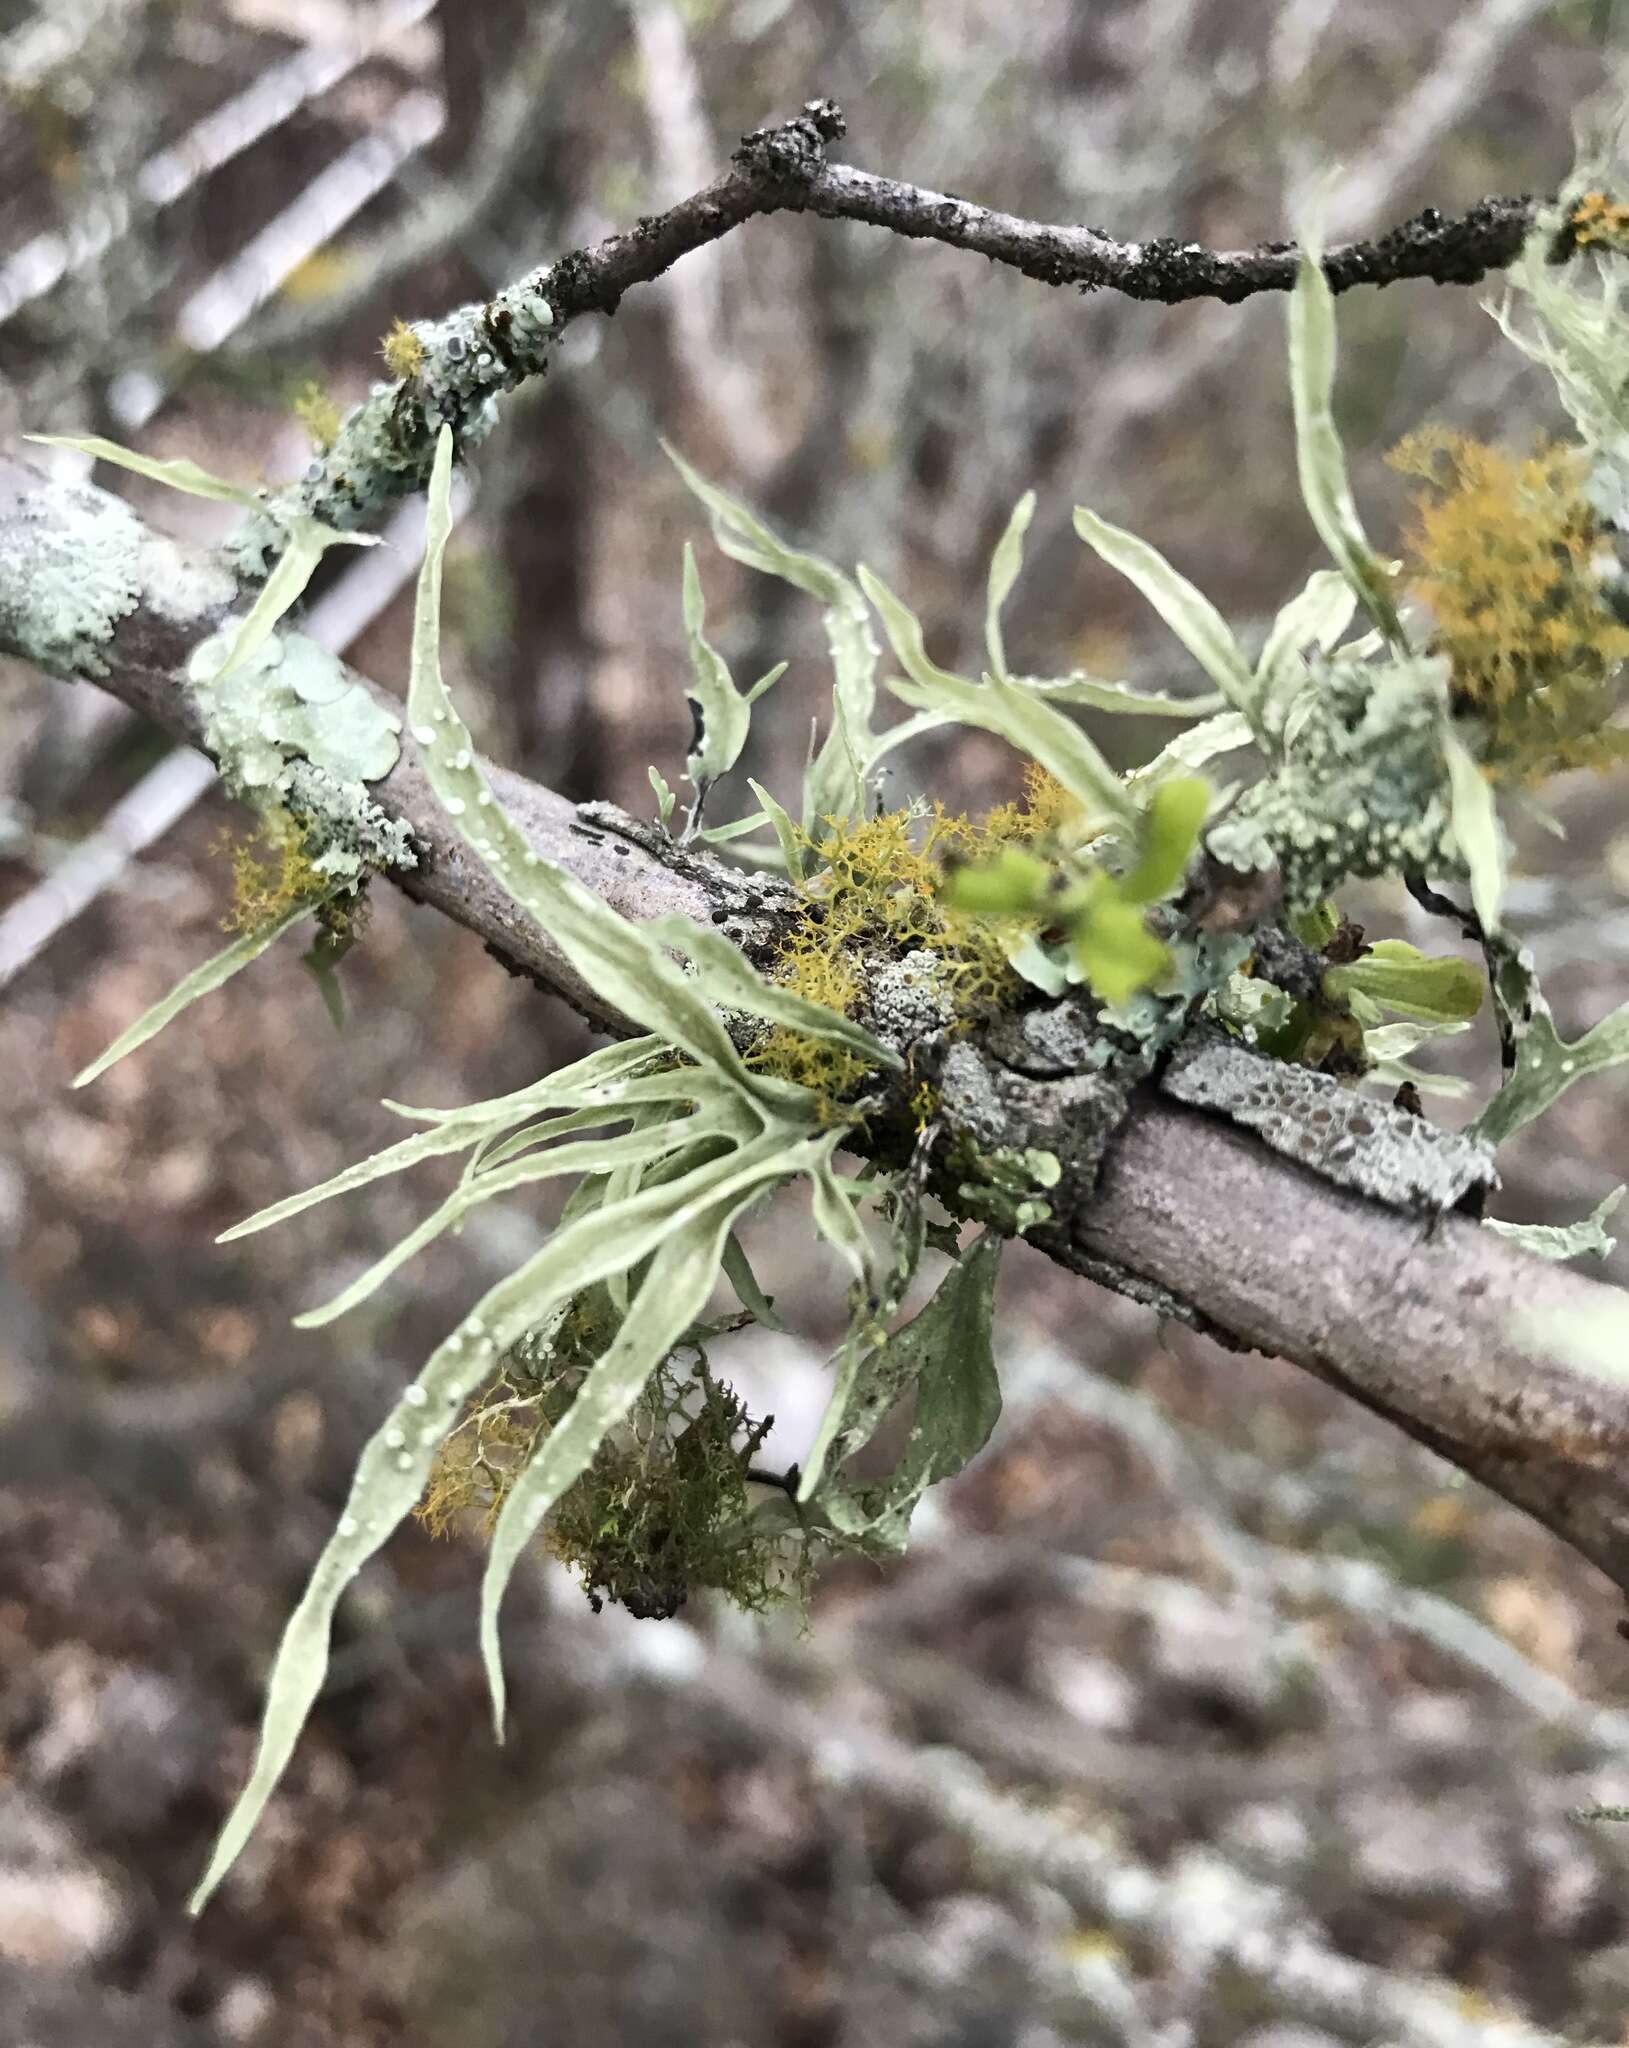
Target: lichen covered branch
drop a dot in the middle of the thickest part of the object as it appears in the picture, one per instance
(1417, 1319)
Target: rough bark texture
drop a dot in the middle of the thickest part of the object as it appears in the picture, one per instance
(1443, 1328)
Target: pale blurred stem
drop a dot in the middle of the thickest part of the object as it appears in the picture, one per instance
(1445, 1329)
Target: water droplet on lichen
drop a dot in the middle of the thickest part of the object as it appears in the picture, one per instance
(415, 1397)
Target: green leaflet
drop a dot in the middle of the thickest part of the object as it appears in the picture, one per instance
(570, 1087)
(200, 982)
(1223, 734)
(396, 1461)
(832, 1202)
(946, 1353)
(868, 1318)
(1315, 617)
(1476, 828)
(834, 786)
(737, 1269)
(1007, 709)
(1171, 826)
(1186, 610)
(1121, 698)
(182, 474)
(1005, 564)
(616, 957)
(1564, 1240)
(672, 1295)
(590, 1084)
(722, 715)
(728, 978)
(785, 831)
(1394, 975)
(664, 796)
(1546, 1066)
(1319, 458)
(636, 1148)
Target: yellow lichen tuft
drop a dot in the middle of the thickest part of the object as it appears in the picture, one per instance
(402, 350)
(878, 892)
(1503, 550)
(273, 871)
(318, 414)
(1600, 219)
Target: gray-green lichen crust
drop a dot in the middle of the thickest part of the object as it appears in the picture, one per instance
(385, 445)
(72, 571)
(1362, 789)
(1381, 1152)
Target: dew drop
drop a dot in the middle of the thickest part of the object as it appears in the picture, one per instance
(485, 797)
(453, 806)
(415, 1397)
(348, 1525)
(394, 1439)
(424, 734)
(404, 1462)
(462, 758)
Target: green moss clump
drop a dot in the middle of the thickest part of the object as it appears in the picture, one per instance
(664, 1509)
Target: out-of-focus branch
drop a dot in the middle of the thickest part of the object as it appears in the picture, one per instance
(472, 357)
(1443, 1328)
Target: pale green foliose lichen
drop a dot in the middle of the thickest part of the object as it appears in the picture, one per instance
(289, 725)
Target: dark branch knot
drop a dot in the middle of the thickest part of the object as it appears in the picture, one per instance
(795, 151)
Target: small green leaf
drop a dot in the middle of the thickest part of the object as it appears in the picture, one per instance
(1564, 1240)
(664, 796)
(1117, 952)
(1121, 698)
(791, 842)
(1546, 1066)
(1398, 976)
(1170, 830)
(1006, 709)
(202, 981)
(1005, 564)
(738, 1271)
(1186, 610)
(720, 714)
(834, 786)
(1316, 617)
(1013, 884)
(1476, 828)
(180, 474)
(1224, 734)
(946, 1353)
(1320, 459)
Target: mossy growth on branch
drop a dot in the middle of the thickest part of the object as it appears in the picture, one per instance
(663, 1510)
(879, 895)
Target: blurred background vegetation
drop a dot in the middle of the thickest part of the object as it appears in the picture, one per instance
(1205, 1711)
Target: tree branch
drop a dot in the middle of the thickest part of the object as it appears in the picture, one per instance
(477, 353)
(1441, 1327)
